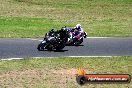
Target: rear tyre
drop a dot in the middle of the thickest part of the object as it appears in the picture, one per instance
(77, 42)
(60, 46)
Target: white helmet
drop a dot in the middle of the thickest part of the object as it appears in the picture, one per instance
(78, 26)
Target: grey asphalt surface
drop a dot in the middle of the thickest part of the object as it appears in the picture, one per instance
(23, 48)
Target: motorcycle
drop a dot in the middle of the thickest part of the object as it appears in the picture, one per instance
(76, 37)
(53, 41)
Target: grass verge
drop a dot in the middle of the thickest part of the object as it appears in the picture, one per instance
(23, 27)
(58, 72)
(32, 18)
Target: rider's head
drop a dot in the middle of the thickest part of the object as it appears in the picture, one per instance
(78, 26)
(63, 29)
(52, 30)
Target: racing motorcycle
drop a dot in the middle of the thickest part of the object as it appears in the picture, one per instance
(77, 37)
(54, 40)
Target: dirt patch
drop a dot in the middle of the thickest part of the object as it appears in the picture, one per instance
(34, 77)
(38, 77)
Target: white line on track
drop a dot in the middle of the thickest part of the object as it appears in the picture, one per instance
(31, 39)
(34, 39)
(87, 37)
(12, 59)
(90, 56)
(43, 57)
(100, 37)
(57, 57)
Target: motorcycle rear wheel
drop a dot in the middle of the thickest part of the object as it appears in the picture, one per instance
(60, 46)
(77, 42)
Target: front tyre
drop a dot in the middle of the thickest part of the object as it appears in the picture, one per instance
(41, 46)
(85, 35)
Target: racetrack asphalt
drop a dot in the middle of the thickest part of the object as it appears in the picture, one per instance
(24, 48)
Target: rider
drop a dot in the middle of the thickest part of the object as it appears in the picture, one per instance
(49, 33)
(77, 28)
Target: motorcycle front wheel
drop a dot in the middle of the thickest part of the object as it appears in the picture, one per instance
(41, 46)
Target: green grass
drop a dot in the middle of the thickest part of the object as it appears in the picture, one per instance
(33, 18)
(57, 72)
(26, 27)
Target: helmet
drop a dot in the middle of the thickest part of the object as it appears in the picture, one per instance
(78, 26)
(63, 29)
(52, 29)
